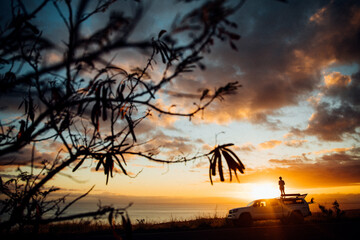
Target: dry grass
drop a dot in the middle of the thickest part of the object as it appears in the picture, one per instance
(199, 222)
(174, 224)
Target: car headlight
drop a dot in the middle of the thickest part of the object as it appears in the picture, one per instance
(233, 210)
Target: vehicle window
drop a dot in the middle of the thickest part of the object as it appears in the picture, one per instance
(261, 203)
(250, 204)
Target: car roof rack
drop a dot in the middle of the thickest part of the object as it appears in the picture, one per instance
(294, 195)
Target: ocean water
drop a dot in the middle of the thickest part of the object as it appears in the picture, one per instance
(166, 212)
(163, 212)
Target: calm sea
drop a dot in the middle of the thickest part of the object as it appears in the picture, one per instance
(163, 212)
(166, 211)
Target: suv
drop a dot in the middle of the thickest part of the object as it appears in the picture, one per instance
(288, 208)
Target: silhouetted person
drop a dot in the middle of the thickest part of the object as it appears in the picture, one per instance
(282, 186)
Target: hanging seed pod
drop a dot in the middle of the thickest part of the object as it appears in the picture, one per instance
(108, 166)
(218, 156)
(234, 164)
(104, 103)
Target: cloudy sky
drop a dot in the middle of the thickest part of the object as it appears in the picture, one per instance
(297, 114)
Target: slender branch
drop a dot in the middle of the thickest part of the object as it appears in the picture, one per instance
(179, 160)
(74, 201)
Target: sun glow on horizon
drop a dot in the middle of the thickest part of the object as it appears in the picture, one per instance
(264, 190)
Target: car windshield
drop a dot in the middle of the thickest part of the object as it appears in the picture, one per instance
(250, 204)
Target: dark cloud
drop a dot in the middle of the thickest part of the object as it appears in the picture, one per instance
(338, 114)
(282, 53)
(168, 147)
(342, 157)
(340, 21)
(23, 156)
(331, 124)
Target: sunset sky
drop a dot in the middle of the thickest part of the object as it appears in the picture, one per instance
(297, 114)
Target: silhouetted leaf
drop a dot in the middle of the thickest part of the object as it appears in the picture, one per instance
(226, 145)
(120, 165)
(122, 157)
(204, 94)
(213, 165)
(31, 109)
(119, 91)
(161, 33)
(233, 46)
(104, 104)
(162, 55)
(210, 169)
(221, 173)
(95, 115)
(234, 36)
(131, 126)
(237, 158)
(233, 162)
(108, 166)
(79, 164)
(99, 164)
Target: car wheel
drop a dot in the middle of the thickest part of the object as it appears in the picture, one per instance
(245, 220)
(296, 217)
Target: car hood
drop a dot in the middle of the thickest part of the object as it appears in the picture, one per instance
(240, 208)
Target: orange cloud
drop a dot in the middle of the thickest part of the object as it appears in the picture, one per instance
(318, 16)
(334, 150)
(337, 79)
(52, 58)
(270, 144)
(295, 143)
(163, 120)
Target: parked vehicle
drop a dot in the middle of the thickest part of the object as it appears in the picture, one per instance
(289, 208)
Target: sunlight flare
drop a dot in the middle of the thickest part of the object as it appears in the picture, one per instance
(264, 190)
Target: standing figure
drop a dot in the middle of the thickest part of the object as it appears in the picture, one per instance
(282, 186)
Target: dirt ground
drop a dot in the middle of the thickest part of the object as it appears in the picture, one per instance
(330, 230)
(315, 228)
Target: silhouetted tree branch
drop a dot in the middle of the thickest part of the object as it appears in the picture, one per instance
(70, 100)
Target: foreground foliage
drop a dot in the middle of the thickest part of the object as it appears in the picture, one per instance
(88, 103)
